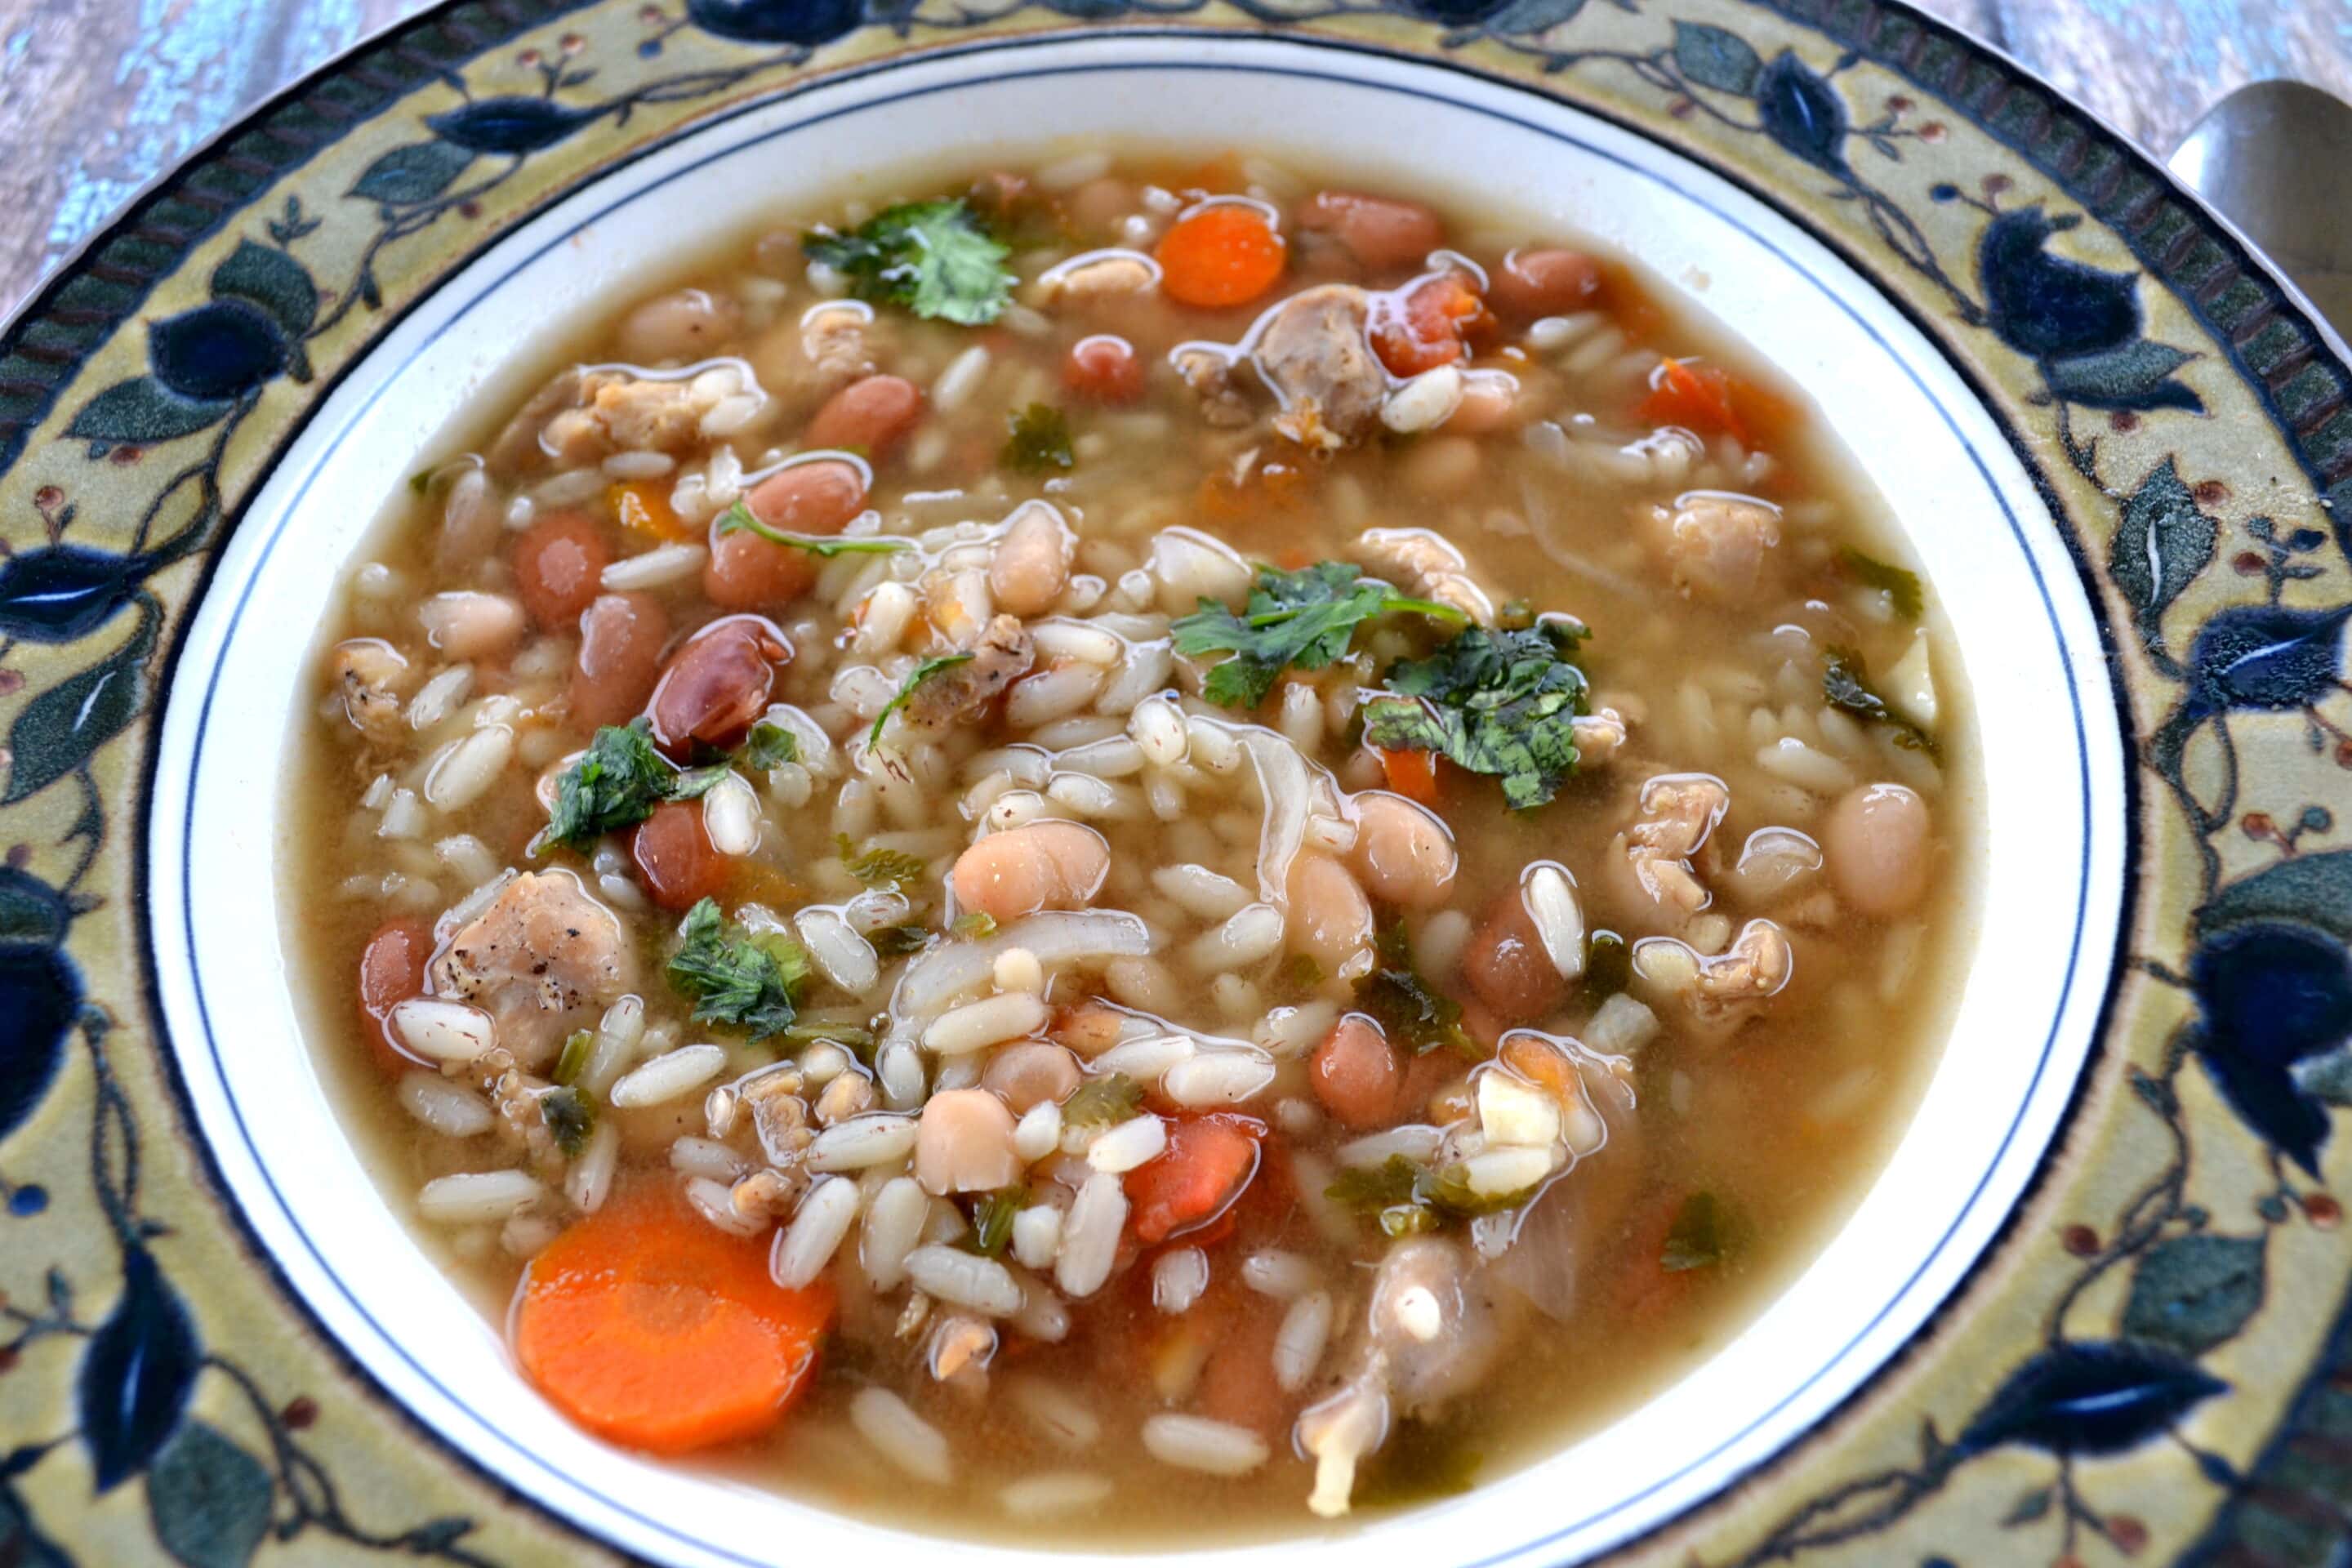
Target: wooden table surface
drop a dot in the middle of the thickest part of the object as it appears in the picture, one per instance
(98, 96)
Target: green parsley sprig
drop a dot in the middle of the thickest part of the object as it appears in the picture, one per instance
(736, 977)
(1502, 703)
(935, 258)
(1302, 620)
(616, 782)
(738, 518)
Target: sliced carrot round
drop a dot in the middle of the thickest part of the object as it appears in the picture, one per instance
(651, 1328)
(1222, 254)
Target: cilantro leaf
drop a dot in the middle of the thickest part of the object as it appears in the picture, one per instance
(571, 1117)
(1409, 1010)
(921, 673)
(1302, 619)
(1101, 1101)
(1368, 1189)
(616, 783)
(769, 746)
(1040, 440)
(1845, 686)
(992, 1221)
(740, 519)
(735, 977)
(1700, 1236)
(899, 940)
(1502, 703)
(934, 258)
(1409, 1198)
(978, 925)
(879, 868)
(1902, 586)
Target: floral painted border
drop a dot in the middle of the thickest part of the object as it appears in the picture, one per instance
(2251, 989)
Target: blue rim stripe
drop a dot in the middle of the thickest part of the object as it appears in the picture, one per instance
(2017, 532)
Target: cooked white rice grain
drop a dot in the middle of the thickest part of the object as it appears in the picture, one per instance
(477, 1197)
(1621, 1025)
(439, 697)
(862, 1142)
(1036, 1235)
(1116, 758)
(1061, 639)
(1793, 762)
(1415, 1141)
(1129, 1143)
(714, 1202)
(1550, 901)
(1285, 1276)
(964, 1279)
(1217, 1077)
(1147, 1060)
(1500, 1173)
(1197, 1443)
(639, 465)
(894, 1226)
(1177, 1279)
(1041, 1315)
(1054, 1494)
(669, 1076)
(901, 1437)
(1090, 1236)
(664, 566)
(1068, 174)
(590, 1180)
(1061, 1416)
(960, 380)
(803, 1248)
(468, 857)
(1252, 935)
(1150, 664)
(848, 959)
(1157, 726)
(705, 1157)
(1287, 1032)
(449, 1109)
(618, 1033)
(1057, 694)
(443, 1031)
(1299, 1342)
(975, 1026)
(1201, 892)
(899, 1068)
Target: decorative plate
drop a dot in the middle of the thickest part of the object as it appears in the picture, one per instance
(2125, 1333)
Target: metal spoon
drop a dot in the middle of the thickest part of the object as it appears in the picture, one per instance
(2275, 157)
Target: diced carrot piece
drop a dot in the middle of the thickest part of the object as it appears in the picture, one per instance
(649, 1326)
(1411, 774)
(1696, 396)
(1219, 254)
(1208, 1161)
(392, 970)
(643, 509)
(1428, 324)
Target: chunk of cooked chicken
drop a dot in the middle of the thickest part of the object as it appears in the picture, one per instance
(1716, 545)
(372, 678)
(1432, 1329)
(1210, 375)
(651, 415)
(1753, 969)
(1600, 735)
(835, 337)
(541, 953)
(1678, 811)
(1103, 275)
(1314, 355)
(1426, 566)
(1003, 655)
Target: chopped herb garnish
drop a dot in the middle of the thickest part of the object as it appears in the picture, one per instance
(1845, 686)
(577, 1046)
(1409, 1011)
(1700, 1236)
(1408, 1198)
(899, 940)
(992, 1221)
(571, 1117)
(736, 977)
(1368, 1189)
(1301, 620)
(1099, 1101)
(1040, 440)
(1514, 616)
(922, 672)
(879, 868)
(1448, 1188)
(1608, 966)
(1499, 703)
(855, 1039)
(737, 519)
(1298, 975)
(978, 926)
(616, 783)
(769, 746)
(1902, 586)
(421, 480)
(934, 258)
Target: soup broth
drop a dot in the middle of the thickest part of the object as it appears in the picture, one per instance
(1129, 850)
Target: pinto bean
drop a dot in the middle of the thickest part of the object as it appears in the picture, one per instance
(464, 623)
(1105, 368)
(965, 1143)
(621, 637)
(873, 413)
(1030, 1073)
(1044, 865)
(1532, 283)
(718, 684)
(1876, 844)
(392, 970)
(1331, 920)
(675, 855)
(1506, 966)
(1031, 563)
(558, 563)
(749, 572)
(1403, 853)
(1356, 1075)
(1385, 235)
